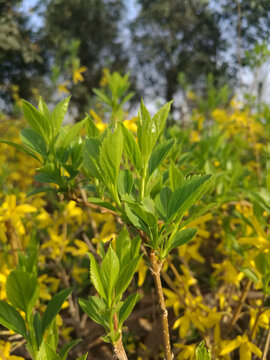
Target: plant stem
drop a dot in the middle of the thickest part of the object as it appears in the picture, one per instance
(119, 350)
(240, 303)
(156, 269)
(267, 343)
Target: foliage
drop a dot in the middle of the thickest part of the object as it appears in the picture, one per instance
(207, 237)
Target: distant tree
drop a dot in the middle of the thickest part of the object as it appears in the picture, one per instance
(21, 61)
(172, 36)
(95, 25)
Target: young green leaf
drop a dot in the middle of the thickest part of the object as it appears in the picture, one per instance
(66, 348)
(91, 129)
(162, 201)
(180, 238)
(95, 276)
(38, 329)
(111, 155)
(102, 203)
(122, 246)
(53, 308)
(83, 357)
(20, 148)
(188, 193)
(11, 319)
(36, 120)
(127, 308)
(125, 182)
(43, 108)
(202, 353)
(175, 176)
(91, 156)
(47, 352)
(57, 116)
(34, 141)
(72, 133)
(126, 275)
(104, 98)
(132, 149)
(22, 290)
(250, 274)
(159, 154)
(109, 272)
(93, 307)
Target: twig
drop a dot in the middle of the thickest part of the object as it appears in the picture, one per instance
(267, 343)
(259, 313)
(119, 350)
(240, 304)
(156, 269)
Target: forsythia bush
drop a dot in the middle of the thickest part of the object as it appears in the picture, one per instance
(184, 210)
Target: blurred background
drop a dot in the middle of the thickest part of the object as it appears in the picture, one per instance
(170, 48)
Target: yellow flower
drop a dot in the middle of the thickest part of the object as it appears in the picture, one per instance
(131, 124)
(98, 121)
(105, 77)
(246, 348)
(77, 74)
(62, 88)
(142, 270)
(10, 211)
(188, 351)
(5, 348)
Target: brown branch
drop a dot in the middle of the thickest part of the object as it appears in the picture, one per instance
(240, 304)
(119, 350)
(267, 343)
(259, 313)
(156, 267)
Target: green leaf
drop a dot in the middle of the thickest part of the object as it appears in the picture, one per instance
(109, 272)
(132, 149)
(126, 275)
(144, 219)
(11, 319)
(93, 307)
(40, 190)
(250, 274)
(43, 108)
(95, 276)
(125, 182)
(180, 238)
(34, 141)
(54, 307)
(72, 133)
(83, 357)
(66, 348)
(22, 290)
(102, 96)
(57, 115)
(102, 203)
(91, 129)
(202, 353)
(184, 197)
(38, 329)
(122, 246)
(91, 156)
(149, 129)
(20, 148)
(262, 262)
(162, 201)
(175, 176)
(160, 153)
(127, 308)
(47, 352)
(36, 120)
(111, 155)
